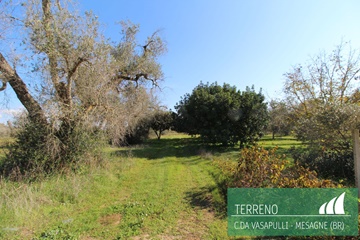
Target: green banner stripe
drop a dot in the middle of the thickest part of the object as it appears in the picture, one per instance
(292, 212)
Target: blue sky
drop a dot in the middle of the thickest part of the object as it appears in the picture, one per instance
(241, 42)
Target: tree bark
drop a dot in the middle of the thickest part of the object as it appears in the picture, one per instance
(63, 90)
(356, 150)
(9, 75)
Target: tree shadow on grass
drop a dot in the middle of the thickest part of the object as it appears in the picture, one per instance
(203, 198)
(154, 149)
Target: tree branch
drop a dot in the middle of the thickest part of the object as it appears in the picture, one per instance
(135, 78)
(50, 51)
(9, 75)
(71, 72)
(4, 85)
(75, 67)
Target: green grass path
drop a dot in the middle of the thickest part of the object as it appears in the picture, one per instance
(170, 194)
(162, 190)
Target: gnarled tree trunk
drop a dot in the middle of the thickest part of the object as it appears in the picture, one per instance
(9, 75)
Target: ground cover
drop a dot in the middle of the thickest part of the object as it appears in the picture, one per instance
(164, 189)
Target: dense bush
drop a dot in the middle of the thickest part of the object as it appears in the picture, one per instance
(158, 121)
(138, 134)
(38, 151)
(260, 168)
(328, 164)
(222, 114)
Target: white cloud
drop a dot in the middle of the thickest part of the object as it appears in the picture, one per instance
(11, 111)
(9, 114)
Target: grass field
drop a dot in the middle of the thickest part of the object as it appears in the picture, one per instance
(161, 190)
(283, 144)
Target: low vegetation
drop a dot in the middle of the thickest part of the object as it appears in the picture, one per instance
(169, 188)
(162, 189)
(260, 168)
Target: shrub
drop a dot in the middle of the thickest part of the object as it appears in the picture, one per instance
(138, 134)
(328, 164)
(260, 168)
(38, 151)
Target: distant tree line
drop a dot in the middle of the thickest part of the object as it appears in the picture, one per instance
(218, 114)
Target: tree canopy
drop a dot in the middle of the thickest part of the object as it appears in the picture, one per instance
(279, 118)
(82, 79)
(324, 97)
(222, 114)
(161, 121)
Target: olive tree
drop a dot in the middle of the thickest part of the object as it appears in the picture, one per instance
(81, 78)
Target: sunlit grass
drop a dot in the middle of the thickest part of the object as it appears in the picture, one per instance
(283, 142)
(162, 189)
(72, 202)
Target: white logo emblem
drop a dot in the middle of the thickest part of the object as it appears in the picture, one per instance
(335, 206)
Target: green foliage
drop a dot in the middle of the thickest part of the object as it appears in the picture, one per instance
(337, 165)
(161, 190)
(259, 168)
(161, 121)
(324, 98)
(39, 151)
(138, 134)
(222, 114)
(57, 234)
(27, 154)
(326, 126)
(133, 214)
(83, 78)
(279, 118)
